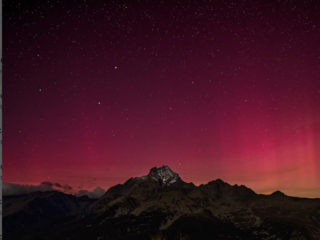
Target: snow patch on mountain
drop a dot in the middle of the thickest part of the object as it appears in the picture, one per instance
(163, 175)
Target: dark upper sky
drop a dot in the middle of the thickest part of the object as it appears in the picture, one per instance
(96, 92)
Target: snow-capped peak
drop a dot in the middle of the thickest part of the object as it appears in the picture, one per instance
(164, 175)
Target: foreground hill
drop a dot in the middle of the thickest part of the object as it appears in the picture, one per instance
(161, 205)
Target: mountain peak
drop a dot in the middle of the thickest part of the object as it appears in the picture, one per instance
(278, 193)
(163, 168)
(164, 175)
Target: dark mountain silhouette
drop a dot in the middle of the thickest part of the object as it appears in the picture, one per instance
(20, 211)
(161, 205)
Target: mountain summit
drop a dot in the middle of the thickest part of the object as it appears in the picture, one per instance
(163, 175)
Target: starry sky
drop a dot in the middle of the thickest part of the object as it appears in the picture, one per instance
(96, 92)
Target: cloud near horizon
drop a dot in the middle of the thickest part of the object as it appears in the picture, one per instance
(20, 189)
(97, 192)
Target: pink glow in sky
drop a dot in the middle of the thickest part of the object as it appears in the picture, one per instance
(96, 93)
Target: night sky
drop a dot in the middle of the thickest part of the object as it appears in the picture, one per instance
(96, 92)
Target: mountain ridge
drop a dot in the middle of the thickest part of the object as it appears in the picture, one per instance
(162, 204)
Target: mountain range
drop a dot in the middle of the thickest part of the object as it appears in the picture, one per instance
(161, 206)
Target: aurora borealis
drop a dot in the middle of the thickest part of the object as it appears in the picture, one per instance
(96, 92)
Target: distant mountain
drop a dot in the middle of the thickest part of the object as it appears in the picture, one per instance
(21, 211)
(161, 205)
